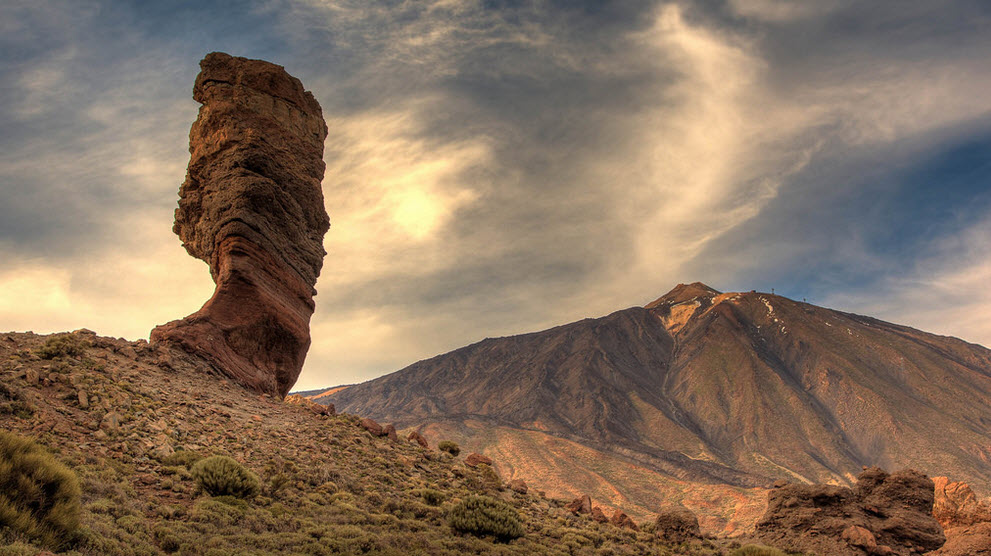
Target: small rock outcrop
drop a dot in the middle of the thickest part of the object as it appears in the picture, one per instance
(373, 427)
(620, 519)
(974, 540)
(956, 505)
(677, 524)
(882, 514)
(598, 516)
(580, 505)
(418, 438)
(252, 208)
(475, 459)
(518, 486)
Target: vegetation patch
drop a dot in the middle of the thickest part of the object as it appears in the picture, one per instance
(223, 476)
(39, 497)
(483, 515)
(449, 446)
(59, 345)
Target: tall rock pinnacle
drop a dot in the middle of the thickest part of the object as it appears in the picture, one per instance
(252, 208)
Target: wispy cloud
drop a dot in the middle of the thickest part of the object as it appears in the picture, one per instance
(498, 167)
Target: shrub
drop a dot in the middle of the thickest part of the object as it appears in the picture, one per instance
(184, 458)
(62, 344)
(757, 550)
(431, 496)
(223, 476)
(449, 447)
(482, 515)
(39, 497)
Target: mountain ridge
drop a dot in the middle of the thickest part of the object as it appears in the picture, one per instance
(747, 387)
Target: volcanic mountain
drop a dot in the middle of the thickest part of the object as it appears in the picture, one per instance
(704, 398)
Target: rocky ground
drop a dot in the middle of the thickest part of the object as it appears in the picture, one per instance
(128, 417)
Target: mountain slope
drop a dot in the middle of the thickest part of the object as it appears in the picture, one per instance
(698, 386)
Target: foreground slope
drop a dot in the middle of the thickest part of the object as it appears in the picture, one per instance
(704, 388)
(128, 418)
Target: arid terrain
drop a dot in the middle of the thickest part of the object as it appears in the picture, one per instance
(702, 398)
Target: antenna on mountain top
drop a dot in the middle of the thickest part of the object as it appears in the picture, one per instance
(772, 291)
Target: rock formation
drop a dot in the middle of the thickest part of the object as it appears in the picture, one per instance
(677, 524)
(882, 514)
(965, 520)
(252, 208)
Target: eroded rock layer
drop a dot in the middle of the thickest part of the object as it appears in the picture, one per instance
(252, 208)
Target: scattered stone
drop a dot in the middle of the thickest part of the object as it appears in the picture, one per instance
(110, 422)
(371, 426)
(418, 438)
(677, 524)
(620, 519)
(252, 208)
(895, 509)
(518, 486)
(474, 459)
(390, 431)
(32, 377)
(598, 516)
(580, 505)
(83, 398)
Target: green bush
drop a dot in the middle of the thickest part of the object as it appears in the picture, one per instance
(39, 497)
(757, 550)
(449, 447)
(482, 515)
(223, 476)
(183, 458)
(431, 496)
(62, 344)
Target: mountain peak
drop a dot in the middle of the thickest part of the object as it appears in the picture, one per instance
(684, 292)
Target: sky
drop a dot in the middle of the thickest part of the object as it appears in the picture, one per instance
(500, 167)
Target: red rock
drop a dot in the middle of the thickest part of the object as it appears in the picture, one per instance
(418, 438)
(474, 459)
(252, 208)
(677, 524)
(372, 427)
(974, 540)
(859, 537)
(895, 509)
(390, 431)
(518, 486)
(581, 505)
(598, 516)
(620, 519)
(956, 505)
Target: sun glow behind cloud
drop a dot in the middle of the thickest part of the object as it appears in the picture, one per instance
(494, 169)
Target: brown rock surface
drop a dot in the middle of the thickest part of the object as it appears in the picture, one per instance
(518, 486)
(974, 540)
(371, 426)
(418, 438)
(824, 519)
(580, 505)
(956, 505)
(390, 431)
(252, 208)
(677, 524)
(598, 516)
(474, 459)
(620, 519)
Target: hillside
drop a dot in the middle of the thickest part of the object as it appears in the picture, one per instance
(700, 397)
(128, 419)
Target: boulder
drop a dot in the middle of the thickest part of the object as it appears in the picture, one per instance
(252, 208)
(390, 431)
(371, 426)
(620, 519)
(894, 509)
(518, 486)
(677, 524)
(580, 505)
(598, 516)
(973, 540)
(475, 459)
(418, 438)
(956, 505)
